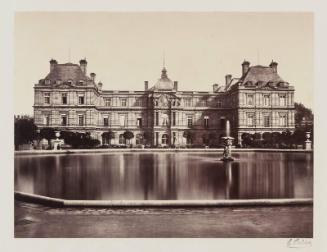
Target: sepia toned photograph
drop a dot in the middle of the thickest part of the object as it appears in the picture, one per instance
(164, 125)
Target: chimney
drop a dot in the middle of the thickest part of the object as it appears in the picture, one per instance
(215, 88)
(274, 65)
(245, 67)
(92, 76)
(53, 62)
(176, 85)
(83, 64)
(146, 85)
(228, 79)
(100, 85)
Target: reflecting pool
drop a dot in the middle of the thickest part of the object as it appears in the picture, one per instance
(166, 176)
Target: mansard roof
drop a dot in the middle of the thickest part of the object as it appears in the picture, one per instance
(65, 72)
(261, 74)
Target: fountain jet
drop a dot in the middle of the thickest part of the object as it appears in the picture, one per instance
(228, 141)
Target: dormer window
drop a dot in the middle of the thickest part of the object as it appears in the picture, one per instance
(70, 82)
(59, 81)
(47, 82)
(80, 82)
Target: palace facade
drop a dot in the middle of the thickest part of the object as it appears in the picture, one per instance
(259, 101)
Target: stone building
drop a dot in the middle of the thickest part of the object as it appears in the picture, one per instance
(162, 115)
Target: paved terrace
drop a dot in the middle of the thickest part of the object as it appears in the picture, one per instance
(33, 220)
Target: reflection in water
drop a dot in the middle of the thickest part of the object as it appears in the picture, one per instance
(166, 176)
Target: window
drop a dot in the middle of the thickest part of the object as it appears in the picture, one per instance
(219, 104)
(47, 120)
(189, 121)
(139, 122)
(64, 98)
(205, 139)
(156, 102)
(47, 98)
(138, 103)
(222, 123)
(81, 99)
(203, 103)
(123, 102)
(107, 102)
(206, 121)
(157, 138)
(138, 139)
(122, 139)
(266, 100)
(47, 82)
(105, 120)
(164, 118)
(122, 120)
(63, 120)
(187, 102)
(250, 119)
(174, 118)
(157, 119)
(266, 121)
(189, 140)
(164, 139)
(282, 100)
(249, 100)
(174, 137)
(282, 120)
(80, 120)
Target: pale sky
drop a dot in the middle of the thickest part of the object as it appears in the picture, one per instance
(125, 49)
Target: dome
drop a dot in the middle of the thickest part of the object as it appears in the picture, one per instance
(164, 83)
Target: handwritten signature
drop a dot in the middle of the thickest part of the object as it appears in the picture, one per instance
(299, 243)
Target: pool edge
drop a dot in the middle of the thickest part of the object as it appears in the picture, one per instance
(55, 202)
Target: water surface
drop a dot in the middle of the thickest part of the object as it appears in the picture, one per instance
(166, 176)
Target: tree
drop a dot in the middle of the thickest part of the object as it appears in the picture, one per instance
(189, 135)
(108, 135)
(247, 139)
(298, 136)
(48, 133)
(302, 115)
(128, 135)
(267, 139)
(24, 131)
(275, 137)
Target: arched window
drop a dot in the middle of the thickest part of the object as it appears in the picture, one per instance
(139, 138)
(164, 139)
(122, 140)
